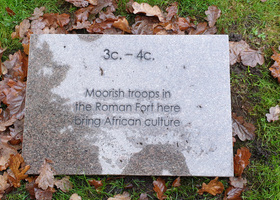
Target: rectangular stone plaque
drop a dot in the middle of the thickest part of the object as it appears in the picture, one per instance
(133, 105)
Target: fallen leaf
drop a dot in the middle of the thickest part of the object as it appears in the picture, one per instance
(273, 114)
(233, 193)
(124, 196)
(244, 131)
(19, 173)
(148, 10)
(160, 188)
(5, 152)
(176, 183)
(78, 3)
(38, 25)
(122, 24)
(46, 175)
(64, 184)
(4, 124)
(275, 68)
(93, 2)
(10, 11)
(4, 184)
(213, 13)
(250, 57)
(96, 184)
(44, 194)
(63, 19)
(30, 187)
(200, 29)
(235, 48)
(38, 12)
(214, 187)
(171, 11)
(128, 6)
(23, 27)
(128, 186)
(75, 196)
(241, 160)
(184, 23)
(238, 182)
(143, 196)
(144, 25)
(82, 14)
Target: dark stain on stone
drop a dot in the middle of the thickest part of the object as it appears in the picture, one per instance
(153, 159)
(89, 38)
(49, 129)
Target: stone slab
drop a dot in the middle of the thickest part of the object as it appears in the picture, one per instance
(133, 105)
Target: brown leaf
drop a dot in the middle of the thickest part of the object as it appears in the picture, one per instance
(4, 183)
(82, 25)
(148, 10)
(105, 21)
(184, 23)
(128, 186)
(10, 11)
(214, 187)
(238, 182)
(93, 2)
(171, 11)
(64, 184)
(38, 25)
(78, 3)
(124, 196)
(46, 175)
(160, 188)
(30, 187)
(122, 24)
(273, 114)
(4, 124)
(44, 194)
(241, 160)
(23, 27)
(213, 13)
(200, 29)
(143, 196)
(128, 6)
(5, 152)
(244, 131)
(211, 31)
(38, 12)
(75, 196)
(250, 57)
(82, 14)
(235, 48)
(275, 68)
(96, 184)
(144, 25)
(63, 19)
(176, 183)
(19, 173)
(233, 193)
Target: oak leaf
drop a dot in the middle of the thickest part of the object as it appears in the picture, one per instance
(274, 113)
(244, 131)
(143, 196)
(213, 13)
(148, 10)
(93, 2)
(275, 68)
(4, 184)
(75, 196)
(241, 160)
(17, 132)
(124, 196)
(128, 6)
(238, 182)
(38, 25)
(82, 14)
(23, 27)
(160, 188)
(144, 25)
(176, 183)
(5, 152)
(233, 193)
(18, 173)
(250, 57)
(96, 184)
(200, 29)
(122, 24)
(214, 187)
(44, 194)
(5, 123)
(171, 11)
(78, 3)
(235, 48)
(38, 12)
(64, 184)
(46, 175)
(30, 187)
(184, 23)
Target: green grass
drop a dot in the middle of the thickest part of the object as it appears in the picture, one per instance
(254, 88)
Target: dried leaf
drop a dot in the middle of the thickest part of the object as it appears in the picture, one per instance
(64, 184)
(78, 3)
(10, 11)
(250, 57)
(122, 24)
(235, 48)
(128, 186)
(124, 196)
(93, 2)
(38, 12)
(245, 131)
(63, 19)
(241, 160)
(233, 193)
(30, 187)
(5, 124)
(5, 152)
(82, 14)
(46, 175)
(200, 29)
(214, 187)
(23, 27)
(38, 25)
(96, 184)
(148, 10)
(213, 13)
(75, 196)
(238, 182)
(105, 21)
(128, 6)
(160, 188)
(19, 173)
(171, 11)
(275, 68)
(144, 25)
(44, 194)
(176, 183)
(143, 196)
(4, 183)
(273, 114)
(184, 23)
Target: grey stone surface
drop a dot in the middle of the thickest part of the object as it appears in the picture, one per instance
(134, 105)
